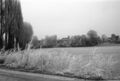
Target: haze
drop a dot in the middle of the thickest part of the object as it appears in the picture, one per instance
(72, 17)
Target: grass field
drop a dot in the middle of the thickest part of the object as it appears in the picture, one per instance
(87, 62)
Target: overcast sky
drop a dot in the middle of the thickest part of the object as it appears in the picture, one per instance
(72, 17)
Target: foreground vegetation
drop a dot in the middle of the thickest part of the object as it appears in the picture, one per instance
(60, 62)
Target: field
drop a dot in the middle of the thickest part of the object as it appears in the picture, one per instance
(89, 50)
(87, 62)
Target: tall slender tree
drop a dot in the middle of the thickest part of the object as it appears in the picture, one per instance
(13, 22)
(1, 17)
(12, 25)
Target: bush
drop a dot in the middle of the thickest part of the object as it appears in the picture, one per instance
(35, 42)
(50, 41)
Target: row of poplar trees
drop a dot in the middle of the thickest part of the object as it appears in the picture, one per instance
(14, 31)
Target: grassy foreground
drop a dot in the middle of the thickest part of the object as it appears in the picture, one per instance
(89, 66)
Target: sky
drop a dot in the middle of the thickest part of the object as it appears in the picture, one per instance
(72, 17)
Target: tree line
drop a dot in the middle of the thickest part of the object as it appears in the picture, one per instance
(14, 32)
(90, 39)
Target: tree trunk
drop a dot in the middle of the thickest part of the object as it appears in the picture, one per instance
(10, 41)
(1, 42)
(6, 40)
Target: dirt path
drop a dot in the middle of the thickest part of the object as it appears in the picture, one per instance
(8, 75)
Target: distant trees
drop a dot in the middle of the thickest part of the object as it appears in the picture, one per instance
(90, 39)
(114, 38)
(104, 38)
(50, 41)
(64, 42)
(84, 40)
(35, 42)
(76, 41)
(93, 38)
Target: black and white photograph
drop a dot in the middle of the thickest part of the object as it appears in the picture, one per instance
(59, 40)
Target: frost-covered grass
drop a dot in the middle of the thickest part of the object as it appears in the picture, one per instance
(61, 62)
